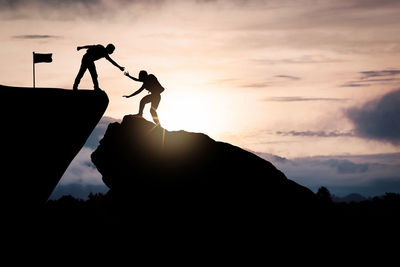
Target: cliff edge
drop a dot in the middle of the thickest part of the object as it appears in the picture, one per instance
(43, 130)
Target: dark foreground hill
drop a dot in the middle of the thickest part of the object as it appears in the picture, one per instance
(150, 170)
(42, 131)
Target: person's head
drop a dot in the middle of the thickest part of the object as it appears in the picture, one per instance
(142, 75)
(110, 48)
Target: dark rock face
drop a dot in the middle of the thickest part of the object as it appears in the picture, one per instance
(44, 129)
(154, 169)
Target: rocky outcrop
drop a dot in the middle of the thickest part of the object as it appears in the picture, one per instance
(151, 168)
(43, 130)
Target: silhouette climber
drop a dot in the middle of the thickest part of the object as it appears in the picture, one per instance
(93, 53)
(151, 84)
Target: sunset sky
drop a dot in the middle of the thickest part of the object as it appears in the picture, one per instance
(315, 83)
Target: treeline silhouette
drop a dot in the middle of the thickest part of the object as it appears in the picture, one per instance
(97, 211)
(387, 205)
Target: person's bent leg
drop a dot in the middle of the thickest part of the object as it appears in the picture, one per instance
(143, 102)
(154, 115)
(155, 100)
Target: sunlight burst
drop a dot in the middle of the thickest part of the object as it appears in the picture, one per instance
(195, 112)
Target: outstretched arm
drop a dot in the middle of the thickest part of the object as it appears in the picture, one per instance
(133, 78)
(114, 63)
(135, 93)
(84, 47)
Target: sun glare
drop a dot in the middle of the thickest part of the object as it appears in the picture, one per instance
(188, 113)
(195, 112)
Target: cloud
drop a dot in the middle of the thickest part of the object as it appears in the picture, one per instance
(378, 119)
(373, 77)
(378, 73)
(315, 133)
(374, 3)
(35, 36)
(355, 84)
(59, 4)
(347, 166)
(81, 170)
(256, 85)
(266, 84)
(52, 9)
(287, 77)
(305, 59)
(300, 99)
(369, 175)
(52, 3)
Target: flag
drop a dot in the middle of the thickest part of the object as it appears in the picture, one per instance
(38, 58)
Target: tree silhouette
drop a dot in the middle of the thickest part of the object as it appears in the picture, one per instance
(324, 195)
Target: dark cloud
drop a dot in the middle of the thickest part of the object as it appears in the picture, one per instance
(13, 4)
(299, 99)
(350, 4)
(383, 80)
(379, 73)
(51, 3)
(373, 77)
(256, 85)
(314, 133)
(355, 84)
(347, 166)
(378, 119)
(369, 175)
(66, 10)
(374, 3)
(53, 9)
(287, 77)
(35, 36)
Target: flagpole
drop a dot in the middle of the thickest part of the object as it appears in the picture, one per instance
(33, 60)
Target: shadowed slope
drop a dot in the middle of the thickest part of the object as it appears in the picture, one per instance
(44, 129)
(181, 171)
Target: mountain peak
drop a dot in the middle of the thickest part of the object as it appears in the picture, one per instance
(144, 163)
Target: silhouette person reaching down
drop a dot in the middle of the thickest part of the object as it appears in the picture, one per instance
(93, 53)
(151, 84)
